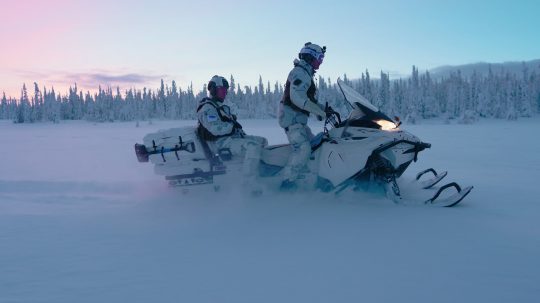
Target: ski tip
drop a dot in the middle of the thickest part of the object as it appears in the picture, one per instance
(461, 195)
(451, 200)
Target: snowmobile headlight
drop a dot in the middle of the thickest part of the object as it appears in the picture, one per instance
(387, 125)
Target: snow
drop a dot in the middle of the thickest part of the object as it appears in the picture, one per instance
(82, 221)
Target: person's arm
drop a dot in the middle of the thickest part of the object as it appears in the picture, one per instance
(209, 118)
(300, 83)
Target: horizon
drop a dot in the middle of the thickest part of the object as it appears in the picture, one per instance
(124, 89)
(56, 45)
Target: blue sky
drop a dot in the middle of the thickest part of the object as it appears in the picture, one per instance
(136, 43)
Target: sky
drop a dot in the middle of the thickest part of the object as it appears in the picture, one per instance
(138, 42)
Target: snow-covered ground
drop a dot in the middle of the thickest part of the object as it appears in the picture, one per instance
(82, 221)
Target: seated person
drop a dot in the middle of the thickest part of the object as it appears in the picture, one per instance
(218, 125)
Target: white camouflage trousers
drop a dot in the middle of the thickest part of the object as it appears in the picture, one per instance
(251, 147)
(299, 136)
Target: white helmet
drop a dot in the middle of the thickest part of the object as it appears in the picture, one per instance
(217, 81)
(311, 52)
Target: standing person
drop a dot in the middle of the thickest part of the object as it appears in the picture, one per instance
(218, 125)
(297, 104)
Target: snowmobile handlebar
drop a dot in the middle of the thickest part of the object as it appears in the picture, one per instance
(424, 145)
(332, 116)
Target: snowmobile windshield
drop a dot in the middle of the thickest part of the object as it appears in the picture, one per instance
(362, 112)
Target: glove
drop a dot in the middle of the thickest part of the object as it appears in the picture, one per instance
(329, 111)
(237, 128)
(232, 120)
(240, 132)
(237, 125)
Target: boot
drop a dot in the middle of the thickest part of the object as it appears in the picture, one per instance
(288, 186)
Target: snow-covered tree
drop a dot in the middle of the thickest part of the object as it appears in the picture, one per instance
(4, 107)
(495, 94)
(24, 108)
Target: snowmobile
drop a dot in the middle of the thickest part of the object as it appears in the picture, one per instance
(366, 149)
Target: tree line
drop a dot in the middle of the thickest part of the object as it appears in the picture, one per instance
(421, 96)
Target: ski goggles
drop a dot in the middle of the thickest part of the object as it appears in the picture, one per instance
(222, 88)
(221, 91)
(315, 54)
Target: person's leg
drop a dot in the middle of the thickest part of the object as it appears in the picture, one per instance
(299, 138)
(253, 146)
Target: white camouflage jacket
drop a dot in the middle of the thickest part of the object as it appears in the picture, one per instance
(299, 79)
(216, 118)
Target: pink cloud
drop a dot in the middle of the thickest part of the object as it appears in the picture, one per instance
(34, 29)
(19, 12)
(85, 81)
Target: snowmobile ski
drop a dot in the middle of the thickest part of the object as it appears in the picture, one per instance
(453, 199)
(430, 182)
